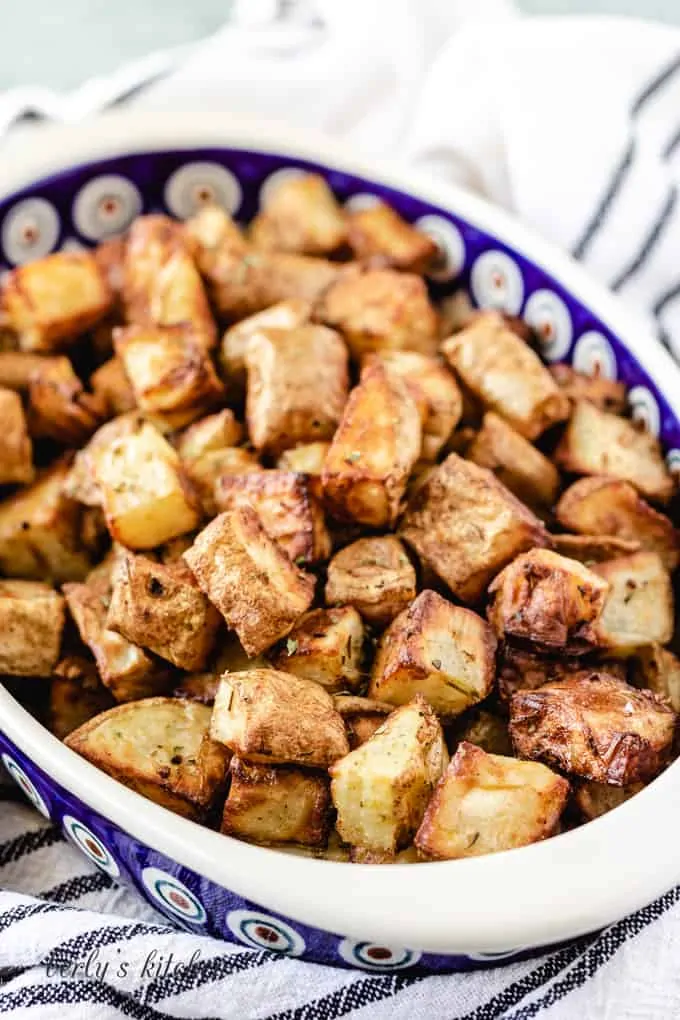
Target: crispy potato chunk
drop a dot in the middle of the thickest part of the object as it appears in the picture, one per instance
(524, 669)
(381, 310)
(258, 590)
(31, 622)
(213, 433)
(639, 607)
(288, 512)
(160, 748)
(327, 646)
(297, 386)
(520, 466)
(363, 716)
(59, 407)
(375, 576)
(607, 506)
(289, 315)
(598, 443)
(436, 649)
(658, 669)
(210, 231)
(265, 715)
(17, 368)
(594, 726)
(300, 215)
(591, 549)
(16, 453)
(161, 285)
(487, 802)
(160, 608)
(506, 375)
(466, 526)
(307, 459)
(607, 394)
(40, 531)
(111, 385)
(550, 600)
(381, 789)
(80, 483)
(51, 302)
(378, 235)
(76, 695)
(595, 799)
(373, 451)
(485, 730)
(206, 472)
(276, 804)
(168, 367)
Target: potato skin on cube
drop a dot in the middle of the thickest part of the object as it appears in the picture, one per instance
(590, 549)
(16, 454)
(379, 236)
(594, 726)
(595, 799)
(285, 315)
(326, 646)
(607, 394)
(111, 385)
(301, 214)
(521, 668)
(485, 803)
(375, 576)
(639, 609)
(59, 407)
(31, 623)
(363, 716)
(520, 466)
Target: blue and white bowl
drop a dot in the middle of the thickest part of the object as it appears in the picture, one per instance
(71, 187)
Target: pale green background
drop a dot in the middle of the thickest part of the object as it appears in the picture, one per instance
(61, 42)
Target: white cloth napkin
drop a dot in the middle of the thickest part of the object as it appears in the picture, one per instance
(573, 123)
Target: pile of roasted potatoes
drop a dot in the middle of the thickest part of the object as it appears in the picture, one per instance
(302, 554)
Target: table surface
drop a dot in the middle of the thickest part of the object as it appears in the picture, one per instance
(59, 43)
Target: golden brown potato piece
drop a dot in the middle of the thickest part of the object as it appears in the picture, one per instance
(520, 466)
(378, 235)
(381, 310)
(485, 730)
(363, 716)
(215, 432)
(466, 526)
(206, 471)
(598, 443)
(161, 285)
(373, 451)
(168, 367)
(160, 608)
(110, 257)
(51, 302)
(59, 407)
(607, 506)
(297, 386)
(111, 385)
(210, 231)
(595, 726)
(607, 394)
(307, 459)
(524, 669)
(549, 600)
(259, 591)
(265, 715)
(198, 687)
(277, 804)
(16, 450)
(506, 375)
(591, 549)
(300, 214)
(375, 576)
(76, 695)
(456, 311)
(17, 368)
(381, 789)
(596, 799)
(288, 512)
(80, 483)
(159, 747)
(639, 607)
(40, 531)
(433, 648)
(487, 802)
(285, 315)
(327, 646)
(658, 669)
(31, 623)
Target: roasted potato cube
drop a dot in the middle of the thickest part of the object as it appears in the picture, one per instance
(210, 231)
(487, 802)
(111, 385)
(520, 466)
(285, 315)
(591, 549)
(211, 434)
(17, 368)
(161, 284)
(594, 726)
(375, 576)
(265, 715)
(110, 257)
(373, 451)
(433, 648)
(76, 695)
(145, 496)
(31, 622)
(550, 600)
(381, 789)
(51, 302)
(522, 669)
(658, 669)
(598, 443)
(639, 607)
(297, 386)
(159, 747)
(127, 670)
(381, 310)
(16, 454)
(378, 235)
(607, 394)
(327, 646)
(607, 506)
(466, 526)
(198, 687)
(160, 608)
(307, 459)
(80, 483)
(277, 804)
(206, 471)
(259, 591)
(456, 311)
(485, 730)
(288, 512)
(40, 531)
(596, 799)
(59, 407)
(300, 214)
(363, 716)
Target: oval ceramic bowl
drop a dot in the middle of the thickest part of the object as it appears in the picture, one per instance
(74, 186)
